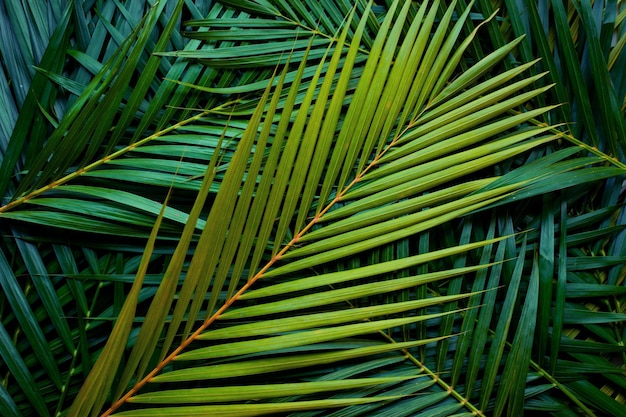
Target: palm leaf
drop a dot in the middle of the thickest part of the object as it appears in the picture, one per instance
(347, 186)
(400, 159)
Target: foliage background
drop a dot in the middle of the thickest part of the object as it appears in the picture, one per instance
(110, 109)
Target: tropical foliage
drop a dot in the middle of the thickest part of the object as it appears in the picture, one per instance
(312, 208)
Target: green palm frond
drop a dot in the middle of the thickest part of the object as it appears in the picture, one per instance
(350, 208)
(413, 156)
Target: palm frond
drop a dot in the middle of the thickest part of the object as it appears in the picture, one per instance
(351, 208)
(399, 162)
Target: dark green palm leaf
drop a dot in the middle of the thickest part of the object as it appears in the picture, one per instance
(351, 208)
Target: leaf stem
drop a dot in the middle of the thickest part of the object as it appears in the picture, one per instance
(591, 149)
(435, 377)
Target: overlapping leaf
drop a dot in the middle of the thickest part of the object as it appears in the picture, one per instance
(389, 174)
(319, 265)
